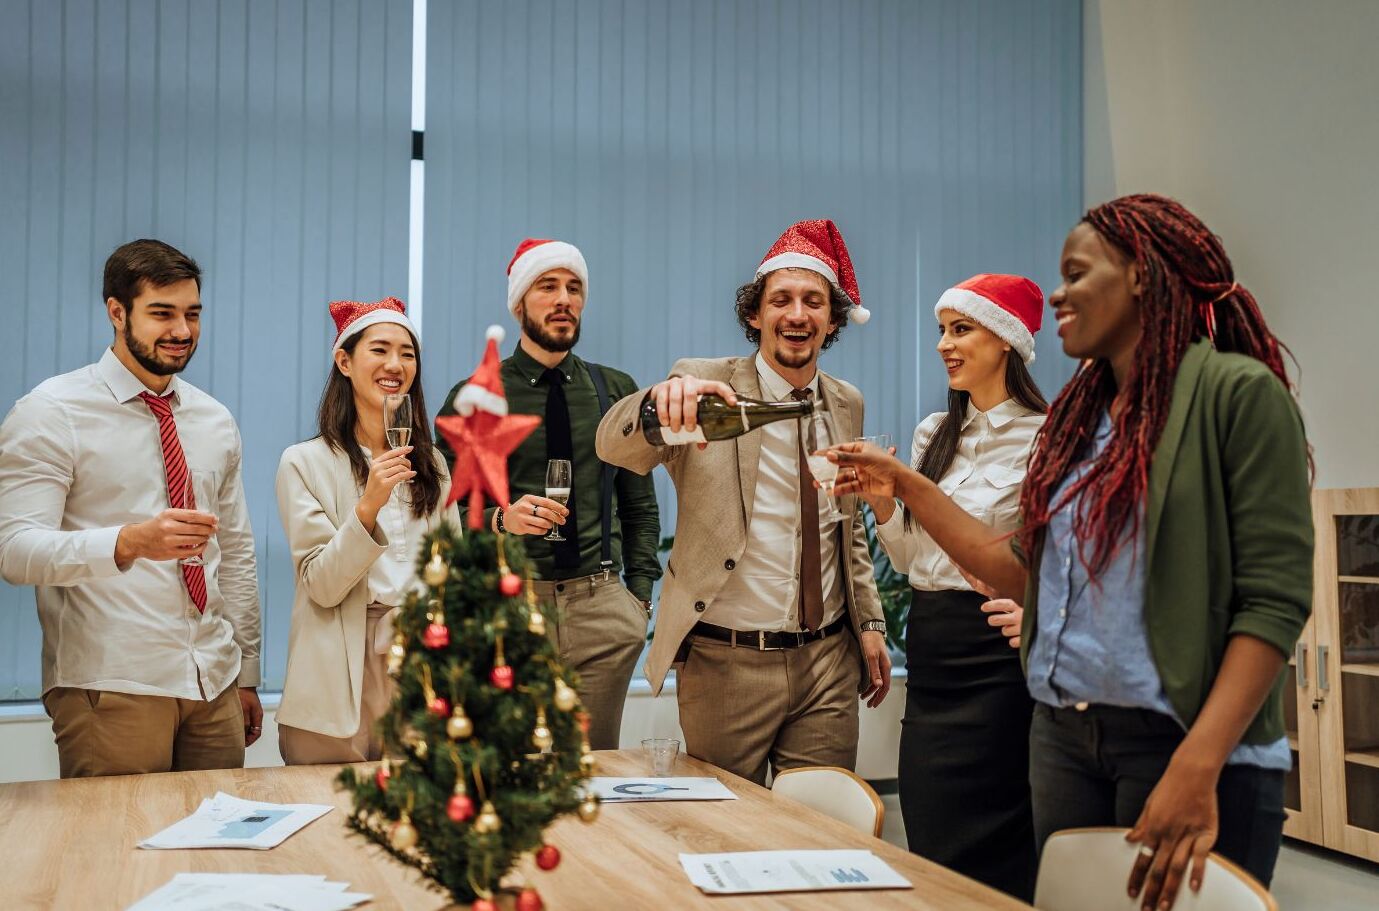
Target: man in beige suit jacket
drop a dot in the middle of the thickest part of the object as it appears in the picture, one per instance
(764, 676)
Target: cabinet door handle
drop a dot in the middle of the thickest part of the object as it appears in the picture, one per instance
(1300, 659)
(1323, 683)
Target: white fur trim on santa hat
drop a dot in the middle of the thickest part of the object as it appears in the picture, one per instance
(540, 259)
(373, 318)
(794, 260)
(473, 396)
(1005, 324)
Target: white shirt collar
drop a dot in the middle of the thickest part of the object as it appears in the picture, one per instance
(125, 385)
(775, 387)
(998, 416)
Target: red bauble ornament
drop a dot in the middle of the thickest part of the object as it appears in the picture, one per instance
(437, 635)
(483, 904)
(548, 858)
(439, 706)
(510, 585)
(460, 808)
(501, 676)
(381, 777)
(528, 900)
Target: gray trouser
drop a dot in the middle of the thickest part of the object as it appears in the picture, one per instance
(600, 631)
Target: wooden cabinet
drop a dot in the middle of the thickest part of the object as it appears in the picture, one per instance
(1333, 717)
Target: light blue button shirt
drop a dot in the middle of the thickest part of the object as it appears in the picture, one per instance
(1090, 644)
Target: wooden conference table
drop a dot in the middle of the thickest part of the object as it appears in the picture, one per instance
(71, 844)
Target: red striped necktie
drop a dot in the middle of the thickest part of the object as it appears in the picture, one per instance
(175, 469)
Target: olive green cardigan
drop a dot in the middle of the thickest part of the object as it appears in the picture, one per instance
(1228, 530)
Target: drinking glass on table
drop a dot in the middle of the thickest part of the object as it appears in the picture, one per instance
(660, 754)
(198, 493)
(559, 475)
(824, 471)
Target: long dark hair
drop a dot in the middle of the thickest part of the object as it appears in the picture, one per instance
(336, 417)
(1190, 294)
(938, 453)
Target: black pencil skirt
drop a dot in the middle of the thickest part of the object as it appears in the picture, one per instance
(964, 745)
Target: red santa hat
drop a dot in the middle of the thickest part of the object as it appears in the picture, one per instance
(817, 245)
(353, 317)
(535, 257)
(1011, 306)
(484, 391)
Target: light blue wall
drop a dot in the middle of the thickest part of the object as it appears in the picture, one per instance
(269, 140)
(671, 140)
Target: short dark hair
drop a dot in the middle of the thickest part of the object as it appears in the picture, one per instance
(145, 261)
(749, 304)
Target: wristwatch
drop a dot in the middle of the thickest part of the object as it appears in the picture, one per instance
(874, 626)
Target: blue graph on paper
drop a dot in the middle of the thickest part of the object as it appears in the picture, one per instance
(251, 826)
(849, 876)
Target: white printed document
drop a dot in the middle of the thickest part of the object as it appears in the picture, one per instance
(789, 871)
(624, 790)
(250, 892)
(226, 821)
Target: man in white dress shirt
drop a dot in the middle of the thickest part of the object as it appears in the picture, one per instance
(150, 613)
(769, 610)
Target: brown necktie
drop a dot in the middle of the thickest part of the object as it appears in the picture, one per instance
(811, 577)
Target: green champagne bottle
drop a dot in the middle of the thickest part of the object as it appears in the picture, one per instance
(720, 421)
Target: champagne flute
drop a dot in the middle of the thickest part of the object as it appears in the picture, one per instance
(198, 493)
(881, 441)
(559, 475)
(397, 419)
(824, 471)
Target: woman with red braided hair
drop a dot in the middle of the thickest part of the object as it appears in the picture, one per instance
(1164, 562)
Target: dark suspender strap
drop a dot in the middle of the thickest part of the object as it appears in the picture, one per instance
(607, 473)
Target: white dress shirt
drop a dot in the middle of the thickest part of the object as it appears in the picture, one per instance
(80, 457)
(763, 592)
(984, 479)
(393, 576)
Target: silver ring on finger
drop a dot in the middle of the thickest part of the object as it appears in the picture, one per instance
(1146, 851)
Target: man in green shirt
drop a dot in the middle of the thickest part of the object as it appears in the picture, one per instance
(611, 523)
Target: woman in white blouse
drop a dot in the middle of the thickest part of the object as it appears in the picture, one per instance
(355, 512)
(964, 742)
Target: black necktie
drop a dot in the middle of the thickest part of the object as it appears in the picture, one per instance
(811, 572)
(560, 445)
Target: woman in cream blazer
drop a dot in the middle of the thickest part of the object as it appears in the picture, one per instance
(354, 523)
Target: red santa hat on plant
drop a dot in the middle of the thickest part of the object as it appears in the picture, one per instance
(484, 391)
(353, 317)
(1011, 306)
(533, 258)
(817, 245)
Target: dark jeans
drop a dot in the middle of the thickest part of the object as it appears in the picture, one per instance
(1096, 768)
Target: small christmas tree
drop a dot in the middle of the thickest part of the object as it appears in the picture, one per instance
(485, 744)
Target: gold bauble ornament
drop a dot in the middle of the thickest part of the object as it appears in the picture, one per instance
(536, 623)
(436, 572)
(565, 696)
(589, 808)
(541, 735)
(459, 727)
(487, 822)
(404, 834)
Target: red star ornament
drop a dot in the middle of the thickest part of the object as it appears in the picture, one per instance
(482, 443)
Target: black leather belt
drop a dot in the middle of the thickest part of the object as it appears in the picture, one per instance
(764, 641)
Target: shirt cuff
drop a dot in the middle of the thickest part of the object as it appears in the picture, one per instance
(248, 672)
(98, 546)
(894, 527)
(639, 586)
